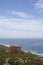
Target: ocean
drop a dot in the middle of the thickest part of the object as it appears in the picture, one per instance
(33, 45)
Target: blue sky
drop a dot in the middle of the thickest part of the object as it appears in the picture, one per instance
(21, 18)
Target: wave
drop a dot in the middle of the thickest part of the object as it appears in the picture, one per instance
(4, 44)
(36, 53)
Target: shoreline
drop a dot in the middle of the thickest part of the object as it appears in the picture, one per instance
(35, 52)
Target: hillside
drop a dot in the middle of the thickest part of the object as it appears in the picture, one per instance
(26, 58)
(2, 47)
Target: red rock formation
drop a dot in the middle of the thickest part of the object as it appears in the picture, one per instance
(14, 49)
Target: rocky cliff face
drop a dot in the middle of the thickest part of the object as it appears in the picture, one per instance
(14, 49)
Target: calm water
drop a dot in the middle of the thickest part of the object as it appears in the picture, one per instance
(34, 45)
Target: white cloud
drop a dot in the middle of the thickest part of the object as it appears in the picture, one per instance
(39, 6)
(21, 24)
(20, 14)
(20, 28)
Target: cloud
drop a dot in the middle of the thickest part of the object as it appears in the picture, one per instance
(20, 28)
(21, 24)
(20, 14)
(39, 6)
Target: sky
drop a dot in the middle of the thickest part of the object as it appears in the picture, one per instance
(21, 18)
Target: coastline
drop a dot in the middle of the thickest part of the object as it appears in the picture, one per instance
(36, 53)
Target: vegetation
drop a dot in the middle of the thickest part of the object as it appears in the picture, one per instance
(19, 58)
